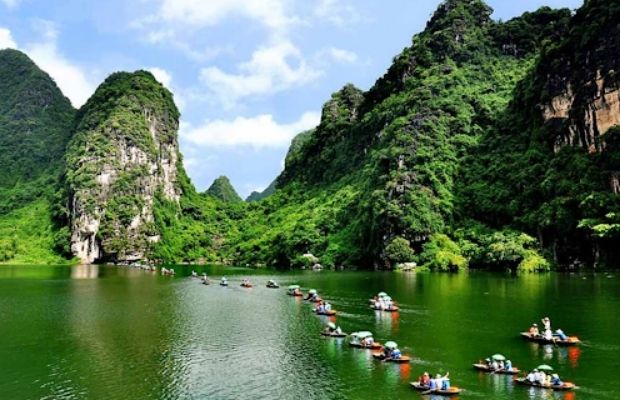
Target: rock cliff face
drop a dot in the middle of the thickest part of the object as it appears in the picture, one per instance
(582, 83)
(124, 152)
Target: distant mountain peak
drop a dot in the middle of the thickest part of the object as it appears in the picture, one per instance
(222, 189)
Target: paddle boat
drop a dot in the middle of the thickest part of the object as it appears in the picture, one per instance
(293, 290)
(569, 341)
(391, 353)
(496, 364)
(555, 383)
(246, 284)
(271, 284)
(313, 296)
(165, 271)
(452, 391)
(328, 313)
(333, 331)
(383, 302)
(205, 280)
(379, 296)
(194, 274)
(224, 281)
(364, 340)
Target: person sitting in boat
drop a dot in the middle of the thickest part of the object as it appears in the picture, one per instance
(531, 376)
(396, 354)
(439, 381)
(556, 381)
(487, 361)
(328, 307)
(494, 365)
(560, 333)
(546, 323)
(548, 335)
(194, 274)
(508, 366)
(541, 379)
(432, 384)
(321, 308)
(377, 303)
(445, 382)
(425, 379)
(368, 341)
(500, 365)
(534, 330)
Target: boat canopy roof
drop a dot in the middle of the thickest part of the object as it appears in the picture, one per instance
(382, 294)
(391, 345)
(293, 287)
(362, 334)
(331, 325)
(544, 367)
(498, 357)
(312, 291)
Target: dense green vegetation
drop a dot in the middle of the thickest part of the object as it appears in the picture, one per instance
(35, 126)
(540, 177)
(448, 160)
(376, 182)
(222, 189)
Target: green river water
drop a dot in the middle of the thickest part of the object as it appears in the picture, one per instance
(121, 333)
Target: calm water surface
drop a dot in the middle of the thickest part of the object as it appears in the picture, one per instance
(119, 333)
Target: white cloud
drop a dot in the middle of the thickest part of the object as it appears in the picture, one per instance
(337, 12)
(161, 75)
(271, 69)
(259, 132)
(6, 39)
(11, 3)
(270, 13)
(342, 56)
(70, 78)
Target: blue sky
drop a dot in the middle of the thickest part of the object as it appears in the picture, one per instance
(246, 74)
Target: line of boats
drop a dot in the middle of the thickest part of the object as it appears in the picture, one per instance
(541, 377)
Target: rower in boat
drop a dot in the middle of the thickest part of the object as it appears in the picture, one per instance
(439, 385)
(293, 290)
(205, 279)
(312, 296)
(543, 377)
(548, 337)
(271, 284)
(224, 281)
(246, 283)
(324, 308)
(365, 340)
(496, 364)
(332, 330)
(384, 303)
(391, 353)
(194, 274)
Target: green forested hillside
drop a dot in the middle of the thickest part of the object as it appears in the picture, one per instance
(382, 169)
(486, 144)
(35, 126)
(222, 189)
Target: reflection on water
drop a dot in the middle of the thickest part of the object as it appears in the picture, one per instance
(85, 272)
(117, 333)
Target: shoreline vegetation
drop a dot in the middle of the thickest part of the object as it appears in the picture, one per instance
(477, 149)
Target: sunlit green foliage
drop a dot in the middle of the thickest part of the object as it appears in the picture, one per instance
(223, 190)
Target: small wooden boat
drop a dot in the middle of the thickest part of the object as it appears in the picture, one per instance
(374, 346)
(448, 392)
(327, 313)
(334, 335)
(571, 341)
(401, 360)
(486, 368)
(205, 282)
(566, 386)
(294, 291)
(223, 283)
(315, 300)
(272, 285)
(247, 285)
(391, 309)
